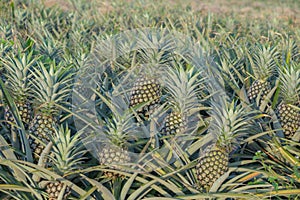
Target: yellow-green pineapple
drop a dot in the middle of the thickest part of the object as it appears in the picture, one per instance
(230, 123)
(17, 78)
(145, 95)
(288, 109)
(52, 86)
(263, 65)
(112, 156)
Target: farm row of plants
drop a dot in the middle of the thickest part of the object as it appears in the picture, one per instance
(147, 101)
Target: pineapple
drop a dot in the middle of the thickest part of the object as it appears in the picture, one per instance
(112, 155)
(68, 153)
(231, 123)
(288, 109)
(146, 94)
(211, 165)
(175, 123)
(52, 86)
(55, 188)
(264, 67)
(17, 79)
(183, 88)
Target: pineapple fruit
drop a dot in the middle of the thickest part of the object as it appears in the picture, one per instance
(55, 188)
(112, 155)
(17, 79)
(263, 64)
(145, 94)
(175, 123)
(288, 109)
(231, 123)
(212, 165)
(52, 86)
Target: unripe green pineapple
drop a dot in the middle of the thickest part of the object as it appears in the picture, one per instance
(175, 123)
(52, 86)
(112, 156)
(42, 127)
(259, 87)
(263, 63)
(213, 163)
(289, 117)
(25, 112)
(54, 189)
(288, 109)
(145, 93)
(17, 80)
(230, 123)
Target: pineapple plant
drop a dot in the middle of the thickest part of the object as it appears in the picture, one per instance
(68, 155)
(52, 86)
(288, 109)
(182, 87)
(156, 51)
(230, 124)
(18, 73)
(118, 126)
(263, 65)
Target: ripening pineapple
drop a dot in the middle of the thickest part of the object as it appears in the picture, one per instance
(288, 109)
(55, 188)
(182, 87)
(175, 123)
(52, 86)
(112, 155)
(263, 66)
(118, 126)
(68, 152)
(17, 79)
(230, 123)
(145, 94)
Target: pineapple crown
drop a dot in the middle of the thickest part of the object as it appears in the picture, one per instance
(263, 61)
(290, 83)
(68, 150)
(184, 86)
(154, 51)
(289, 50)
(155, 47)
(118, 124)
(52, 85)
(18, 74)
(231, 122)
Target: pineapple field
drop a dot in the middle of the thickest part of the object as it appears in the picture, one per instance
(154, 100)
